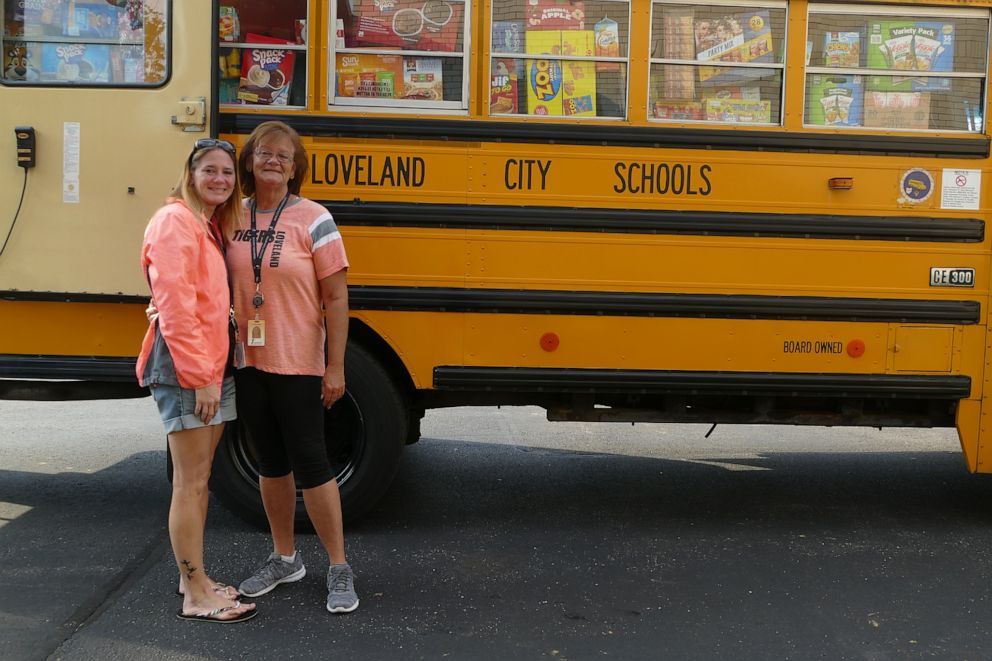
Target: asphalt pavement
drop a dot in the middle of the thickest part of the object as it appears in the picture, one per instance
(505, 536)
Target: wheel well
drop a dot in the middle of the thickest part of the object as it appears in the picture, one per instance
(372, 342)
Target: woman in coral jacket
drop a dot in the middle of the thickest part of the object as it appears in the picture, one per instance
(186, 356)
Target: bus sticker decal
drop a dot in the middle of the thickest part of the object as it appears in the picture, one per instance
(915, 186)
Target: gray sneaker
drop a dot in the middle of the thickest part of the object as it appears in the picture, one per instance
(341, 596)
(272, 573)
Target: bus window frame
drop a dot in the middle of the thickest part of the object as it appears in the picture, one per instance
(527, 57)
(780, 66)
(934, 12)
(337, 103)
(166, 56)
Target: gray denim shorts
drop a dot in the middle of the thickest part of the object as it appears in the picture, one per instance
(177, 406)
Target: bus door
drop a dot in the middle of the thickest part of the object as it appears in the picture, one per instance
(100, 101)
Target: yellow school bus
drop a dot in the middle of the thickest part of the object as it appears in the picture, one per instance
(748, 211)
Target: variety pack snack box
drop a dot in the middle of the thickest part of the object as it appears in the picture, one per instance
(369, 75)
(834, 100)
(431, 25)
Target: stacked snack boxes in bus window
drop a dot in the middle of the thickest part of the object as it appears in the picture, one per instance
(742, 111)
(370, 75)
(411, 24)
(897, 110)
(679, 110)
(266, 71)
(835, 100)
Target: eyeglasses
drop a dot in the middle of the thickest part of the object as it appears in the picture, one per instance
(264, 155)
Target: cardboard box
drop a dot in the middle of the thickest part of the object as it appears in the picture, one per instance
(561, 87)
(39, 18)
(90, 21)
(266, 71)
(555, 15)
(75, 63)
(369, 75)
(835, 100)
(842, 49)
(910, 46)
(738, 111)
(679, 110)
(744, 37)
(22, 61)
(897, 110)
(508, 37)
(410, 24)
(422, 79)
(503, 87)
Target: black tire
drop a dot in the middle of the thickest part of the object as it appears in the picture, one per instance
(364, 431)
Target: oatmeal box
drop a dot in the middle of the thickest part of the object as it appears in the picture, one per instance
(266, 71)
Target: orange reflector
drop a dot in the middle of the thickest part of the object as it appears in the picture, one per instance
(550, 341)
(840, 183)
(855, 348)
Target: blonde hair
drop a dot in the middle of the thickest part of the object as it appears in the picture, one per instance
(229, 214)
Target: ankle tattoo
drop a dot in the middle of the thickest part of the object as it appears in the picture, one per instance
(190, 569)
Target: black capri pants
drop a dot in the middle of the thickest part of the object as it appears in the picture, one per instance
(285, 420)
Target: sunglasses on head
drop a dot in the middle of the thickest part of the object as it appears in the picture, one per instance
(211, 143)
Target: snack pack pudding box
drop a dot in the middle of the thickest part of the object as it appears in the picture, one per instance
(266, 72)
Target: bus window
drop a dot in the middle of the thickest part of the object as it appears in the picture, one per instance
(263, 53)
(407, 54)
(582, 68)
(914, 69)
(717, 63)
(119, 43)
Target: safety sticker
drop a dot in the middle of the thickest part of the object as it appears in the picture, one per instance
(960, 189)
(916, 186)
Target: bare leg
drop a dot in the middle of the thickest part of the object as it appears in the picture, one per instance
(279, 500)
(192, 454)
(217, 432)
(324, 507)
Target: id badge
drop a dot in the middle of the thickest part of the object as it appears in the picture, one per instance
(239, 356)
(256, 332)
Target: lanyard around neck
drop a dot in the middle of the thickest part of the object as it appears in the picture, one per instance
(269, 237)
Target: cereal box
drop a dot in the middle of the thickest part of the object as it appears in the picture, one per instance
(910, 46)
(897, 110)
(22, 61)
(503, 87)
(422, 79)
(431, 25)
(266, 71)
(738, 111)
(835, 100)
(41, 17)
(369, 75)
(555, 15)
(90, 21)
(842, 49)
(75, 63)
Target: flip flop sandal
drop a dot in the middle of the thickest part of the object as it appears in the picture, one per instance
(220, 587)
(211, 616)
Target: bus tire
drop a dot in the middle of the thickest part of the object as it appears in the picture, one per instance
(364, 431)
